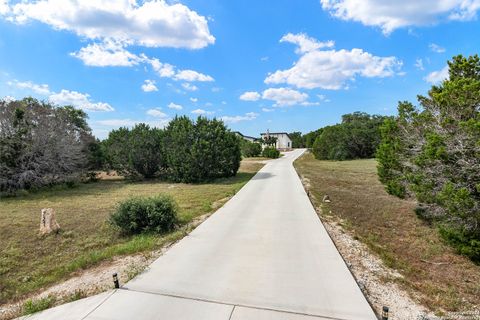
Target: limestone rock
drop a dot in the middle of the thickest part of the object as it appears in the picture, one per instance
(48, 222)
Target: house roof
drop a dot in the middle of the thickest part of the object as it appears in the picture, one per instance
(276, 133)
(239, 133)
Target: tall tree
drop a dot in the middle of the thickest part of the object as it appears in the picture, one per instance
(41, 144)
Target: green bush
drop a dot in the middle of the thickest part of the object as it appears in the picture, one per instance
(465, 243)
(200, 151)
(250, 149)
(357, 137)
(270, 152)
(135, 152)
(137, 215)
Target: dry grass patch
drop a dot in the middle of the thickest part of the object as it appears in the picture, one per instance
(441, 279)
(29, 262)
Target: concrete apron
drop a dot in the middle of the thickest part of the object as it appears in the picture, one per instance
(263, 255)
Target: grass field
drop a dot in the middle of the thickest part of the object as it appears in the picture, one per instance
(442, 280)
(29, 262)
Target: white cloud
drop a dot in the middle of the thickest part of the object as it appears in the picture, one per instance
(41, 89)
(166, 70)
(189, 87)
(250, 96)
(4, 9)
(234, 119)
(267, 110)
(174, 106)
(284, 96)
(202, 112)
(332, 69)
(394, 14)
(419, 64)
(194, 100)
(437, 76)
(436, 48)
(149, 86)
(191, 75)
(149, 23)
(157, 113)
(64, 97)
(107, 53)
(78, 100)
(306, 43)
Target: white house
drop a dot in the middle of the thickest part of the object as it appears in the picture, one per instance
(284, 143)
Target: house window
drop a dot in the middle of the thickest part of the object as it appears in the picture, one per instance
(288, 144)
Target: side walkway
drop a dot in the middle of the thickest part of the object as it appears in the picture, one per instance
(263, 255)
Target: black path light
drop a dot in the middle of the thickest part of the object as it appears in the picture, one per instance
(385, 313)
(115, 281)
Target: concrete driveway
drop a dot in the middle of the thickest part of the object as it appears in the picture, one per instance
(263, 255)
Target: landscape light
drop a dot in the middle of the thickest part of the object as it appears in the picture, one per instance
(385, 313)
(115, 281)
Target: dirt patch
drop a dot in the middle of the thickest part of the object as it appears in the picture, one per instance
(373, 277)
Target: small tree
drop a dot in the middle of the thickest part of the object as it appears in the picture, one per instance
(250, 149)
(433, 155)
(270, 141)
(298, 140)
(136, 152)
(200, 151)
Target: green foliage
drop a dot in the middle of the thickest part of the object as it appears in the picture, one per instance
(462, 241)
(389, 166)
(41, 145)
(135, 152)
(309, 138)
(433, 155)
(297, 139)
(138, 215)
(356, 137)
(33, 306)
(270, 141)
(250, 149)
(270, 152)
(200, 151)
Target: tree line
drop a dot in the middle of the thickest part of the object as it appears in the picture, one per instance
(43, 145)
(356, 137)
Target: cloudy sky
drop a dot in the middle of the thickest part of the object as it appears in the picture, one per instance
(283, 65)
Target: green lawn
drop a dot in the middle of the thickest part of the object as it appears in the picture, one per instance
(29, 262)
(441, 279)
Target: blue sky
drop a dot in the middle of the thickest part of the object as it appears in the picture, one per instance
(279, 65)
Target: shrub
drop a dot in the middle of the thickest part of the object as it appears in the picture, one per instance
(250, 149)
(270, 152)
(136, 152)
(200, 151)
(155, 214)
